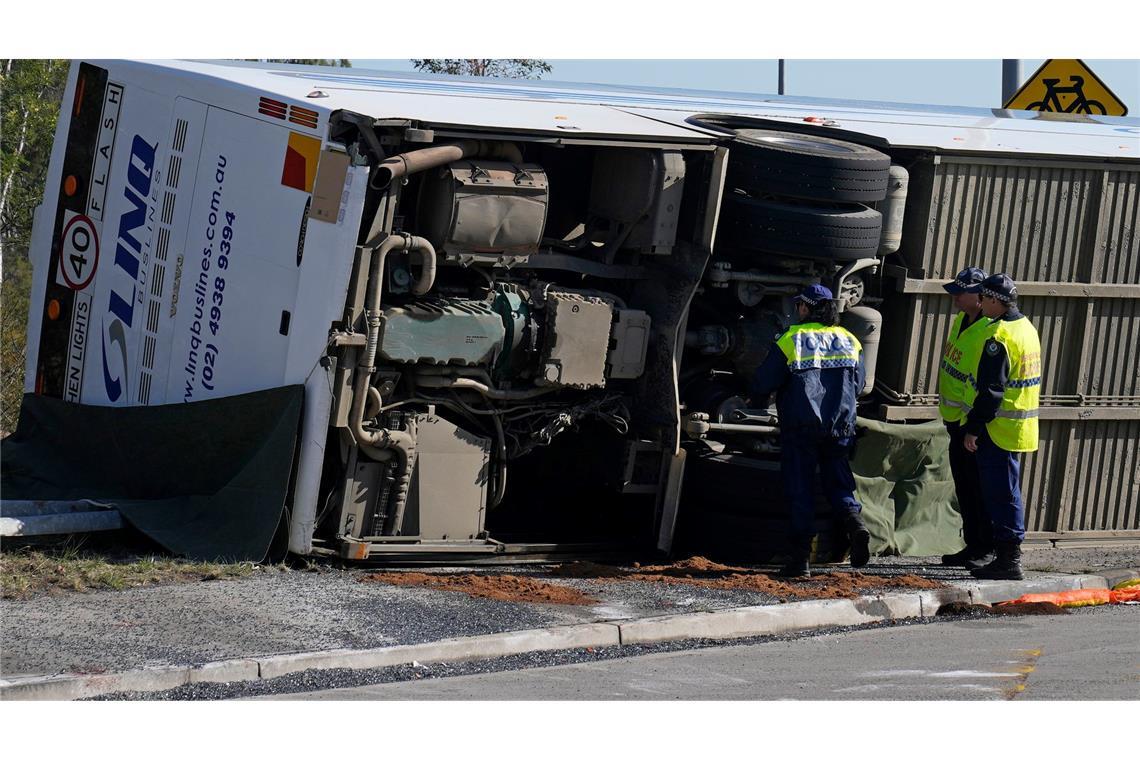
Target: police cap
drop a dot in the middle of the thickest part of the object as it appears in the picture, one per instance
(969, 280)
(813, 295)
(1000, 287)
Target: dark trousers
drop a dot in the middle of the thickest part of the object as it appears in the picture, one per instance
(800, 460)
(1000, 475)
(977, 531)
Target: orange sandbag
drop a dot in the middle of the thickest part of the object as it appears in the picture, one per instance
(1085, 597)
(1129, 594)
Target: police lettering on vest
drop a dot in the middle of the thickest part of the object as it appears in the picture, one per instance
(813, 346)
(959, 364)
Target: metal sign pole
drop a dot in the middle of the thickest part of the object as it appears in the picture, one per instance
(1010, 77)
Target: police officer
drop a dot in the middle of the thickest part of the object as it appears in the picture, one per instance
(816, 369)
(960, 356)
(1003, 421)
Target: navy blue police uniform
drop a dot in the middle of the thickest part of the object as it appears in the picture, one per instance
(957, 370)
(816, 371)
(1003, 418)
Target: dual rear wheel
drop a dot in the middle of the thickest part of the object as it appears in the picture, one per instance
(802, 195)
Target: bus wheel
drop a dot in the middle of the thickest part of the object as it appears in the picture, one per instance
(806, 166)
(752, 225)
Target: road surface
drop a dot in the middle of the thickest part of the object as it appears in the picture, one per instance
(1086, 655)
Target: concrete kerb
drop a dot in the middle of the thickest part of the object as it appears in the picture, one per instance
(449, 650)
(1113, 577)
(68, 687)
(732, 623)
(79, 687)
(992, 592)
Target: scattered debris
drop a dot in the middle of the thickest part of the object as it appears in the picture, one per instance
(695, 571)
(702, 572)
(963, 608)
(1031, 608)
(979, 610)
(507, 588)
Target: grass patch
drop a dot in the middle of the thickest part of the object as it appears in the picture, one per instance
(27, 571)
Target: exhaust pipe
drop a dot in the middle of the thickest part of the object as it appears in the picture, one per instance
(404, 164)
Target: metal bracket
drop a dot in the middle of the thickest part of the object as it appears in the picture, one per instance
(364, 126)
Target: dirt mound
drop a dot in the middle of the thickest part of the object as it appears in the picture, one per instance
(687, 568)
(977, 610)
(704, 573)
(587, 570)
(693, 567)
(508, 588)
(964, 608)
(694, 571)
(826, 586)
(1031, 608)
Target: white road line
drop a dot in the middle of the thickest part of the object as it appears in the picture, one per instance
(872, 687)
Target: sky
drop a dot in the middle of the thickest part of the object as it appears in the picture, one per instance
(963, 82)
(943, 53)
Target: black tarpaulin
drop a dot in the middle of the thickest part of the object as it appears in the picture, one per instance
(207, 480)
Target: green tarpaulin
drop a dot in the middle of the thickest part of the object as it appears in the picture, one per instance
(206, 480)
(903, 481)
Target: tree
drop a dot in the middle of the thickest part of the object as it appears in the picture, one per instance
(505, 68)
(30, 92)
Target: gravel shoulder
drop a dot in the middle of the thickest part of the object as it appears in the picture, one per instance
(327, 608)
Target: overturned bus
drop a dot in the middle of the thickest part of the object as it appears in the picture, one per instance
(364, 314)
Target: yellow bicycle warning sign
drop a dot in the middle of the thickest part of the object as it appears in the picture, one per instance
(1066, 85)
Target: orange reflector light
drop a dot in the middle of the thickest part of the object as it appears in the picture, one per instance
(70, 185)
(274, 108)
(53, 309)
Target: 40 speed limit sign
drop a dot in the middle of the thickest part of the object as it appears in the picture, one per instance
(78, 251)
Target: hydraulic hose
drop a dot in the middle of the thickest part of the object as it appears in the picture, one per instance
(467, 383)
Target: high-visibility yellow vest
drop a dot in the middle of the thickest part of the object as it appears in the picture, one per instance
(811, 345)
(1014, 428)
(959, 365)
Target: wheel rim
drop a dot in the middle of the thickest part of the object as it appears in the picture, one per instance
(792, 142)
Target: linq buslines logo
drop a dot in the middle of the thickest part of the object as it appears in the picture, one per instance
(128, 249)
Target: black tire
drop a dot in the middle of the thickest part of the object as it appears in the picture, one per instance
(773, 227)
(805, 166)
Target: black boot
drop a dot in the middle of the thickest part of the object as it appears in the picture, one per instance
(957, 559)
(860, 539)
(971, 558)
(796, 564)
(979, 558)
(1005, 567)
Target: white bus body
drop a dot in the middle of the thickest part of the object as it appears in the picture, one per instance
(202, 233)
